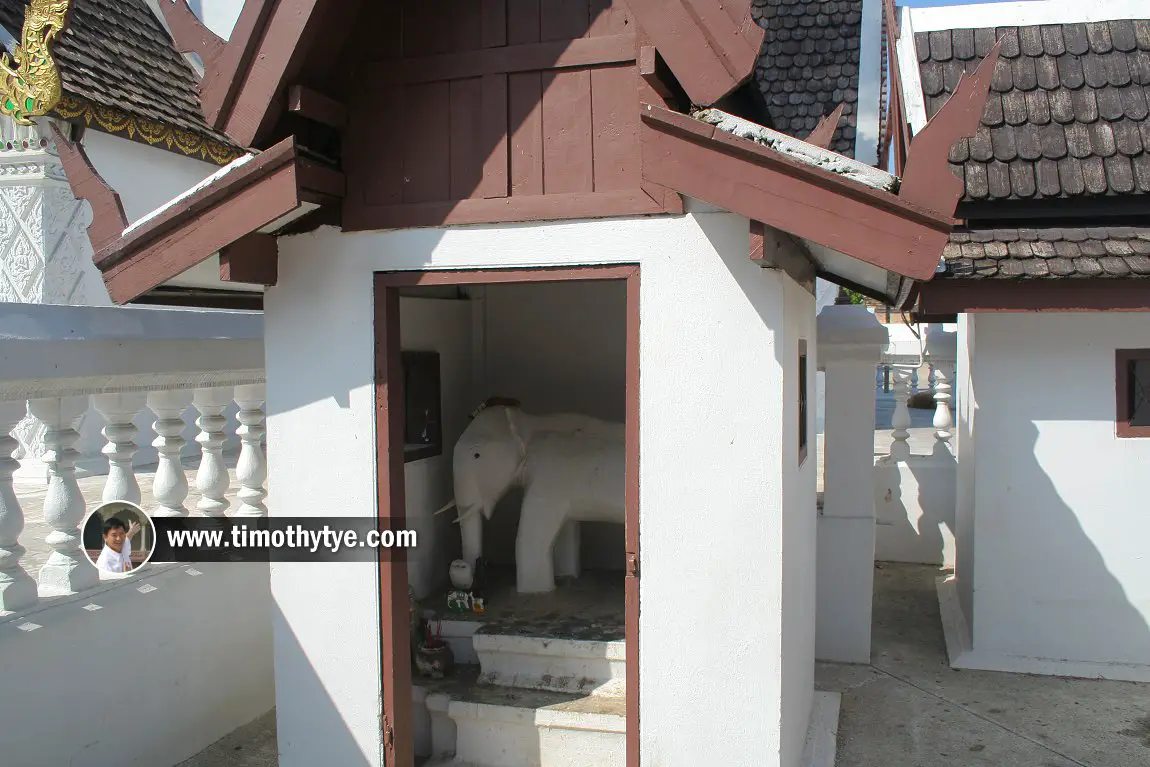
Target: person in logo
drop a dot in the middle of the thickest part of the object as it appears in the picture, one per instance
(117, 554)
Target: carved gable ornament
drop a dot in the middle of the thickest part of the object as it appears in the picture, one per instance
(31, 80)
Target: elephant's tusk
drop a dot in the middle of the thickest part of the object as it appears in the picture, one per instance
(446, 506)
(465, 515)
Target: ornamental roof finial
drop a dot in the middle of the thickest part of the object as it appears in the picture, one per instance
(30, 83)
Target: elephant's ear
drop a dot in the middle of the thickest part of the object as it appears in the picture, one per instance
(495, 402)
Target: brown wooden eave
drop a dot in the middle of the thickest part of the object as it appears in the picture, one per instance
(739, 175)
(266, 189)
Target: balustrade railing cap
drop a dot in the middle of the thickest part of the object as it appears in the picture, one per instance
(57, 351)
(47, 322)
(850, 324)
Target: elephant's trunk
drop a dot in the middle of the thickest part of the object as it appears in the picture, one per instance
(471, 531)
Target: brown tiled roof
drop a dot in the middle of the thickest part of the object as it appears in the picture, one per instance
(1114, 252)
(116, 54)
(1067, 113)
(810, 64)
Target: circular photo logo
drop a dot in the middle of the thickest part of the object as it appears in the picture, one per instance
(119, 538)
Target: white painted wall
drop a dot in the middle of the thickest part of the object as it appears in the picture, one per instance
(799, 512)
(558, 347)
(712, 505)
(148, 679)
(966, 471)
(1060, 573)
(444, 326)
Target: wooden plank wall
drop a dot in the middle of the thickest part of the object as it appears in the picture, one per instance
(497, 110)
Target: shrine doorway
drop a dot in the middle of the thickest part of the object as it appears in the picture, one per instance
(406, 427)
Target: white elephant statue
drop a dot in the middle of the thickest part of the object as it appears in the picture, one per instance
(571, 469)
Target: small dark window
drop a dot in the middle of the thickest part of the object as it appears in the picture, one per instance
(422, 433)
(802, 401)
(1133, 417)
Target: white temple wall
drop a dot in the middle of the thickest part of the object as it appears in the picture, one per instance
(799, 519)
(711, 505)
(1061, 582)
(443, 326)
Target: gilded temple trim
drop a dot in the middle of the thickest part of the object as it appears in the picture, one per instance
(117, 122)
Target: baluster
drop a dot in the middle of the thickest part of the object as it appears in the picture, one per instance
(170, 485)
(212, 478)
(900, 447)
(120, 411)
(942, 396)
(67, 570)
(251, 468)
(17, 587)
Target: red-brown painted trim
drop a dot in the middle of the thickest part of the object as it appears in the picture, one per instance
(712, 46)
(247, 92)
(223, 75)
(804, 411)
(414, 278)
(189, 33)
(1124, 383)
(951, 296)
(529, 57)
(927, 178)
(547, 207)
(317, 107)
(655, 72)
(396, 719)
(824, 132)
(252, 259)
(249, 198)
(108, 217)
(202, 298)
(741, 176)
(395, 662)
(898, 131)
(631, 517)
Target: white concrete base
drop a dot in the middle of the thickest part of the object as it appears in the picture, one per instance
(459, 635)
(844, 585)
(559, 665)
(507, 736)
(822, 733)
(961, 653)
(914, 510)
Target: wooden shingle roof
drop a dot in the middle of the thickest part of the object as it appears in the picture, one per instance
(809, 65)
(122, 74)
(1068, 115)
(1051, 252)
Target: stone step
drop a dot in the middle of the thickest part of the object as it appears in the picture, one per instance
(507, 727)
(558, 665)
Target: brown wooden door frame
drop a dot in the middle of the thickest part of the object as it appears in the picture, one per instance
(396, 723)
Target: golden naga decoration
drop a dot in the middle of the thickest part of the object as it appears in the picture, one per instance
(31, 81)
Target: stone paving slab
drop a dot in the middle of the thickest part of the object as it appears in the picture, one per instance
(908, 708)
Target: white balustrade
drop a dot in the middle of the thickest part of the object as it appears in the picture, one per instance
(212, 479)
(67, 570)
(120, 411)
(61, 362)
(943, 372)
(251, 468)
(17, 587)
(900, 421)
(170, 484)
